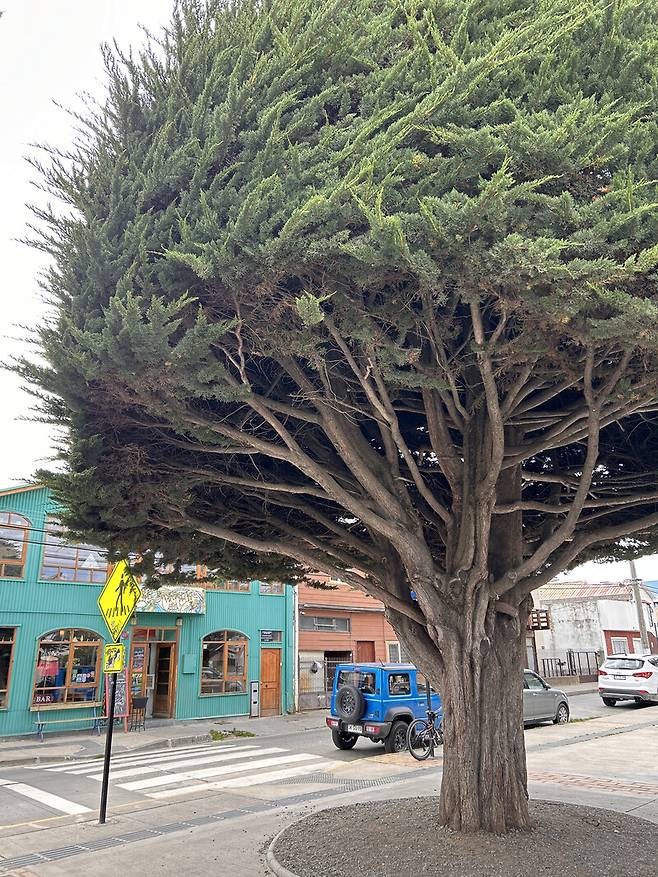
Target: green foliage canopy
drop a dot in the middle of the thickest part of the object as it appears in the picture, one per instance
(326, 272)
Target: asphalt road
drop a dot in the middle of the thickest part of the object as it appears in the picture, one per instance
(41, 796)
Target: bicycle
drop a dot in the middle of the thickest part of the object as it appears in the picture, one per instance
(424, 736)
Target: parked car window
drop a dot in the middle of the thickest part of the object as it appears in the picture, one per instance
(398, 683)
(534, 682)
(421, 682)
(365, 682)
(623, 664)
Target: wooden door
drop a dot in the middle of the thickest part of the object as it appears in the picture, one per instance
(164, 680)
(270, 682)
(365, 651)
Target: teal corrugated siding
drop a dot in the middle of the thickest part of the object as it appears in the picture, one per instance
(35, 607)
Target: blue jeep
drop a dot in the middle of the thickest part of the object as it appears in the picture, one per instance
(378, 701)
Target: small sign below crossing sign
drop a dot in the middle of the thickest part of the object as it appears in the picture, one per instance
(114, 658)
(118, 598)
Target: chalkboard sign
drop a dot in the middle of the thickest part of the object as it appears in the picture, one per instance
(121, 703)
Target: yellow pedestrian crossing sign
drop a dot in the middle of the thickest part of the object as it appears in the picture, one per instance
(118, 598)
(114, 658)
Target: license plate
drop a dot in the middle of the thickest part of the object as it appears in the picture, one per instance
(355, 729)
(619, 677)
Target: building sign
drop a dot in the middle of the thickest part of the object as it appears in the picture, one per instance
(539, 619)
(114, 658)
(178, 599)
(118, 598)
(270, 636)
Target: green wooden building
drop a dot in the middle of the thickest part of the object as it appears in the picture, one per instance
(217, 650)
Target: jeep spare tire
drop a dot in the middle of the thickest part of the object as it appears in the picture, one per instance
(350, 703)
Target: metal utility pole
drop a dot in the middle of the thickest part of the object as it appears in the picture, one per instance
(639, 606)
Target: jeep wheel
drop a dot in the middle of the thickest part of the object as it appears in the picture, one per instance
(609, 701)
(397, 737)
(343, 740)
(350, 703)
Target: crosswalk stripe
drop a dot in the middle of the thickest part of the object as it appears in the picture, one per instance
(74, 763)
(242, 782)
(140, 770)
(138, 762)
(151, 782)
(50, 800)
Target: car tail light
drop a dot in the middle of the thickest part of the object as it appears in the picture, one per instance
(372, 729)
(603, 673)
(643, 674)
(333, 723)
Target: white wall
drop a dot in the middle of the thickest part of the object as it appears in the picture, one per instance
(574, 625)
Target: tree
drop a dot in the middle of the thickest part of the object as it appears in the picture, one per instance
(370, 289)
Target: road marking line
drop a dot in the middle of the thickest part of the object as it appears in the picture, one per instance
(140, 770)
(213, 771)
(52, 801)
(189, 758)
(74, 763)
(242, 782)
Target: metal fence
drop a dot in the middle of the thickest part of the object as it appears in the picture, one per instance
(316, 681)
(572, 663)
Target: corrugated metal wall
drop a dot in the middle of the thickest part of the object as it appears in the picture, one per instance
(35, 607)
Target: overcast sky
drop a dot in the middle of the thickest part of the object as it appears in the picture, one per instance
(49, 51)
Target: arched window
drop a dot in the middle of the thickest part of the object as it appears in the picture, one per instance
(13, 545)
(224, 662)
(68, 668)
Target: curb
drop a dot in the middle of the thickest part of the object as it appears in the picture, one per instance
(272, 862)
(168, 743)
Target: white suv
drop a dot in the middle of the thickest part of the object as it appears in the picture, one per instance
(629, 677)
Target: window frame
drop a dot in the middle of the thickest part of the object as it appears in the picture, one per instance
(53, 529)
(97, 684)
(390, 679)
(618, 639)
(324, 628)
(396, 643)
(270, 593)
(12, 655)
(244, 642)
(25, 528)
(271, 642)
(243, 587)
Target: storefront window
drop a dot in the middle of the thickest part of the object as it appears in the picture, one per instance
(13, 545)
(63, 562)
(271, 588)
(7, 639)
(224, 663)
(68, 668)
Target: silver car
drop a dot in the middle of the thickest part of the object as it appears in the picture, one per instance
(541, 703)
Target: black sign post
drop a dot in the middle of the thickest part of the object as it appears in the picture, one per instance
(108, 751)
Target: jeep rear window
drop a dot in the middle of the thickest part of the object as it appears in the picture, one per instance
(365, 682)
(623, 664)
(398, 683)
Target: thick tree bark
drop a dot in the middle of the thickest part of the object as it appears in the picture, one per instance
(475, 654)
(484, 784)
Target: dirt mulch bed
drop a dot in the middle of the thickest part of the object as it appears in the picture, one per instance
(393, 838)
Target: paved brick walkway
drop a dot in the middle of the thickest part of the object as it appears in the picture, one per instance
(643, 790)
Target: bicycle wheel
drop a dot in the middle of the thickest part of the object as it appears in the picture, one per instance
(420, 739)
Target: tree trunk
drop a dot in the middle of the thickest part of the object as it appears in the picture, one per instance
(484, 766)
(484, 784)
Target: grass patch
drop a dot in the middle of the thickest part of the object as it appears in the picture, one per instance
(216, 736)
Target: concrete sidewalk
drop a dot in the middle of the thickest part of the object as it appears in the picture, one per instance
(159, 734)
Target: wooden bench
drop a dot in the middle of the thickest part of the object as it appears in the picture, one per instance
(41, 723)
